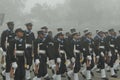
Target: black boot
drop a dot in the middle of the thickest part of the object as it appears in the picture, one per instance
(114, 76)
(92, 73)
(47, 78)
(105, 79)
(83, 75)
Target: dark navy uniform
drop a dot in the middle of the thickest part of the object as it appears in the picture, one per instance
(112, 49)
(60, 53)
(76, 53)
(40, 49)
(100, 50)
(17, 50)
(6, 37)
(88, 52)
(112, 46)
(29, 39)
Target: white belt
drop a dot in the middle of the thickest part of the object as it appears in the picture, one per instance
(41, 51)
(19, 52)
(62, 51)
(90, 49)
(28, 45)
(111, 45)
(102, 47)
(7, 44)
(83, 49)
(76, 51)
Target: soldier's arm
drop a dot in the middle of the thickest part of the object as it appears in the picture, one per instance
(3, 40)
(33, 36)
(107, 43)
(11, 50)
(56, 44)
(35, 50)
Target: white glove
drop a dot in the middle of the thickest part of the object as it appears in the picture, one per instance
(37, 61)
(102, 54)
(14, 65)
(67, 63)
(73, 60)
(116, 51)
(109, 54)
(97, 57)
(1, 50)
(58, 60)
(89, 58)
(4, 53)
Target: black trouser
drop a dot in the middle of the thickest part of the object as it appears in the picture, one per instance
(20, 71)
(101, 62)
(8, 63)
(42, 66)
(113, 58)
(77, 63)
(28, 55)
(62, 68)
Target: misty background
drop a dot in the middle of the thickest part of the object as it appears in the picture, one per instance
(67, 14)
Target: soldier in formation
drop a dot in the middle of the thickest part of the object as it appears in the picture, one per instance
(66, 55)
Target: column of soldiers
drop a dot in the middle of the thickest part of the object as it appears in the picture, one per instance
(65, 55)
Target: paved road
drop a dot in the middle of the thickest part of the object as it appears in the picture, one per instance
(96, 77)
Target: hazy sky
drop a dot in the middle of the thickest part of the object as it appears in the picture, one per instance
(29, 4)
(92, 14)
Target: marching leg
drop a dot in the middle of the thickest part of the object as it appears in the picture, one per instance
(76, 76)
(103, 74)
(88, 75)
(27, 74)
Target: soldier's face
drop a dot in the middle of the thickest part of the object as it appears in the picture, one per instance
(46, 30)
(112, 32)
(41, 35)
(29, 27)
(89, 36)
(50, 33)
(61, 36)
(101, 34)
(11, 27)
(19, 34)
(76, 36)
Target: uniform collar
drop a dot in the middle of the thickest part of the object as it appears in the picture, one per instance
(60, 40)
(29, 31)
(19, 39)
(10, 30)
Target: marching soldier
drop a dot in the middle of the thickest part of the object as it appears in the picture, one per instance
(88, 49)
(40, 55)
(75, 55)
(118, 41)
(100, 46)
(17, 52)
(50, 49)
(60, 56)
(112, 51)
(29, 39)
(6, 37)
